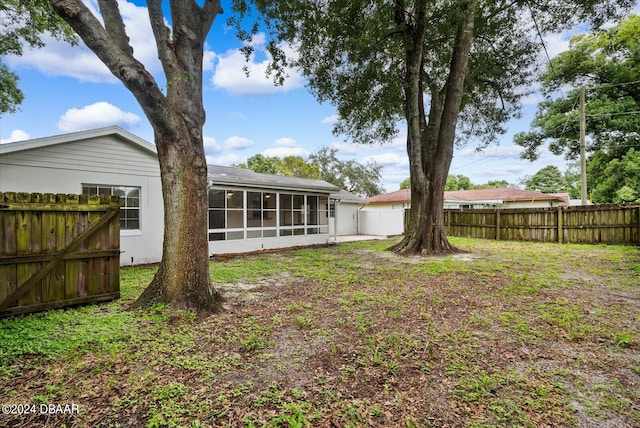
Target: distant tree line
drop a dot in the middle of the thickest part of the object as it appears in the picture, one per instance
(324, 164)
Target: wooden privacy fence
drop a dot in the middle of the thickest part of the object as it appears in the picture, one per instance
(610, 224)
(57, 250)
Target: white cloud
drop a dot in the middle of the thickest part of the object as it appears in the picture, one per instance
(346, 148)
(230, 72)
(285, 142)
(208, 60)
(211, 145)
(331, 119)
(502, 152)
(556, 43)
(237, 143)
(281, 152)
(16, 135)
(503, 171)
(225, 159)
(95, 116)
(388, 159)
(61, 59)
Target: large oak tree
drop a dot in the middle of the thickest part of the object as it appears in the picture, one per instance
(177, 117)
(440, 67)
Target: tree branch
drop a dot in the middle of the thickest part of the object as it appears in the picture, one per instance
(162, 35)
(210, 10)
(120, 62)
(114, 25)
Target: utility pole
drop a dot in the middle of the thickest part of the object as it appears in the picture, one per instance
(583, 160)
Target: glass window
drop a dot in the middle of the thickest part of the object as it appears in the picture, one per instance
(312, 210)
(298, 202)
(216, 198)
(323, 210)
(254, 234)
(235, 219)
(129, 202)
(285, 201)
(269, 201)
(216, 236)
(235, 200)
(254, 200)
(216, 219)
(235, 235)
(298, 218)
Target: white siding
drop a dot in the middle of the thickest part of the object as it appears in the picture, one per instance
(381, 222)
(251, 245)
(345, 219)
(63, 168)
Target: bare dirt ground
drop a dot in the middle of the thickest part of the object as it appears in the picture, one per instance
(507, 334)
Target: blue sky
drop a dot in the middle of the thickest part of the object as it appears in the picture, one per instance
(67, 89)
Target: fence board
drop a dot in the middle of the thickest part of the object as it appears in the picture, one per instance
(57, 250)
(613, 224)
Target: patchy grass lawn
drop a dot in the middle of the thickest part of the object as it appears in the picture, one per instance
(508, 334)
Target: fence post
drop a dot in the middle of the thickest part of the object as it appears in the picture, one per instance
(560, 229)
(497, 224)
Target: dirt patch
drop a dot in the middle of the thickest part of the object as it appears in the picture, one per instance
(355, 336)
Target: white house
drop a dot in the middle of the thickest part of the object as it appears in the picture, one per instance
(247, 211)
(108, 161)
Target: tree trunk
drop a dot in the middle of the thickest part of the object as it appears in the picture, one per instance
(430, 144)
(183, 278)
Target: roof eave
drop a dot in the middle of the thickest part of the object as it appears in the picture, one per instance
(35, 143)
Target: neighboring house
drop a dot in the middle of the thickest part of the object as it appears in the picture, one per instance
(247, 211)
(504, 197)
(384, 214)
(343, 213)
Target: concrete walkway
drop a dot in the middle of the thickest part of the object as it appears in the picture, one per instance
(352, 238)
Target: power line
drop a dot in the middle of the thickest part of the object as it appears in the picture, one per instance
(622, 113)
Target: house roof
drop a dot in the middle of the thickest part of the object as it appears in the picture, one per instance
(504, 194)
(345, 196)
(217, 174)
(399, 196)
(499, 195)
(227, 175)
(35, 143)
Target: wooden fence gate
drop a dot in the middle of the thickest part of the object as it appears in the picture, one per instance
(57, 250)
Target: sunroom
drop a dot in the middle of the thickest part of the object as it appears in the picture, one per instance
(250, 212)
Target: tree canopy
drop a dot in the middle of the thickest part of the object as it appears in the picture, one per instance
(22, 22)
(547, 180)
(433, 66)
(350, 175)
(606, 64)
(293, 166)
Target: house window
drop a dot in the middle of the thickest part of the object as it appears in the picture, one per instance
(226, 214)
(252, 214)
(129, 202)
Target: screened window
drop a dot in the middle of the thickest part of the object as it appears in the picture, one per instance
(226, 211)
(129, 202)
(252, 214)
